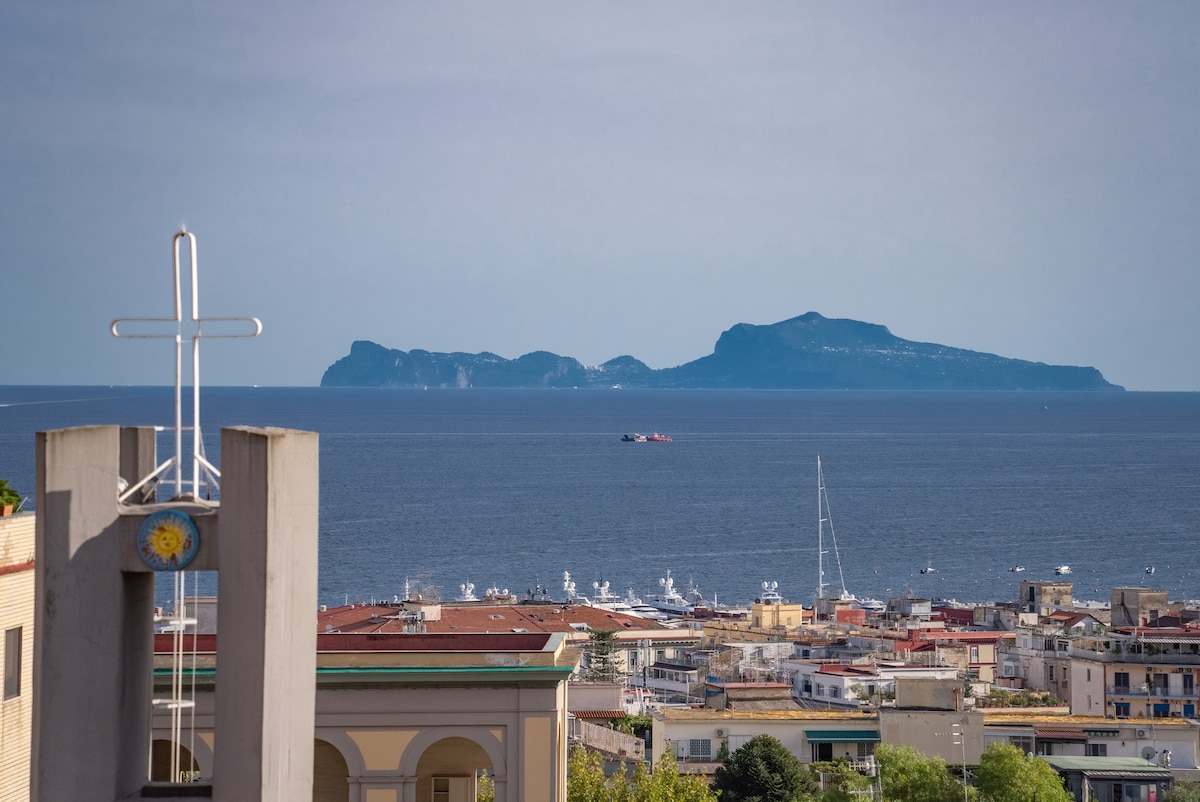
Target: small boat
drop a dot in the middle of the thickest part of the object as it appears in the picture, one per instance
(658, 438)
(634, 438)
(1062, 570)
(1016, 569)
(1150, 569)
(929, 569)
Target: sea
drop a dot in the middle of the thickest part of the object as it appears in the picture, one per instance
(440, 489)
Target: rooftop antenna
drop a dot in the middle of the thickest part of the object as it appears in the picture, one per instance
(203, 471)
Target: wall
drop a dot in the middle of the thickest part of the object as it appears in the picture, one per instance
(16, 610)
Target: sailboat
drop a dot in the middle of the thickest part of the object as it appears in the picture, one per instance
(824, 517)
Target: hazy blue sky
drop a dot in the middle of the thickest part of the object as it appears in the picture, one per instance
(599, 179)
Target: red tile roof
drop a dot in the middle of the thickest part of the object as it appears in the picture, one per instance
(598, 715)
(393, 642)
(484, 617)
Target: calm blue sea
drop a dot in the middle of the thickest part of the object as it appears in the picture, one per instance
(512, 487)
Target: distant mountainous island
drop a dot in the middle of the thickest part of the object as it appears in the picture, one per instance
(809, 352)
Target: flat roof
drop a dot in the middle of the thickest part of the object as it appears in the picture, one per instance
(1113, 767)
(849, 715)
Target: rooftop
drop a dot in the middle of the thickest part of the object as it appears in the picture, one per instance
(494, 618)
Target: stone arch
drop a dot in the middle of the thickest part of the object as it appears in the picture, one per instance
(454, 751)
(331, 773)
(346, 747)
(481, 737)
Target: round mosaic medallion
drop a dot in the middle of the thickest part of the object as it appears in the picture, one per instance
(168, 540)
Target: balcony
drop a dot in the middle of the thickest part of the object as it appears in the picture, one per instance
(1145, 657)
(1141, 692)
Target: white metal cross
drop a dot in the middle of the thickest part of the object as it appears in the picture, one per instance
(203, 471)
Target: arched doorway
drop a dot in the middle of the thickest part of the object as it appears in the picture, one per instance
(447, 769)
(160, 763)
(330, 773)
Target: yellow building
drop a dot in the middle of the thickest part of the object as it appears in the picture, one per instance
(16, 624)
(767, 622)
(408, 717)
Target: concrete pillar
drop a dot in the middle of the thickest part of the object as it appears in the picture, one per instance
(266, 631)
(92, 674)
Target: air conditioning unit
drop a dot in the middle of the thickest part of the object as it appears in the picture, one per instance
(1143, 733)
(722, 732)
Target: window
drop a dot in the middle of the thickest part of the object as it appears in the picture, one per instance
(700, 748)
(820, 689)
(1121, 681)
(453, 789)
(12, 662)
(1096, 750)
(974, 654)
(1050, 673)
(1089, 675)
(1121, 709)
(833, 691)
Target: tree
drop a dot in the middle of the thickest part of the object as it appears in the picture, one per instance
(1006, 774)
(585, 777)
(763, 770)
(586, 782)
(603, 657)
(840, 780)
(1183, 791)
(666, 784)
(910, 776)
(485, 787)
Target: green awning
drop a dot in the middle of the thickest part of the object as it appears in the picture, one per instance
(842, 736)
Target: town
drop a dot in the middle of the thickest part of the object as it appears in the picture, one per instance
(424, 698)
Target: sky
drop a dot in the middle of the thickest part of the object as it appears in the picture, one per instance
(598, 179)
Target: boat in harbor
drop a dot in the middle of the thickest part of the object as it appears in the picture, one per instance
(1062, 570)
(770, 593)
(633, 438)
(645, 438)
(658, 438)
(825, 518)
(670, 600)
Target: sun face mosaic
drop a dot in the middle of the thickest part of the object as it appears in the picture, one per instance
(168, 540)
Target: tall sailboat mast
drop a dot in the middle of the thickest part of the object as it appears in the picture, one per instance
(821, 583)
(825, 517)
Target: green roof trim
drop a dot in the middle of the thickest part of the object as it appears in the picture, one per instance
(842, 736)
(444, 669)
(361, 670)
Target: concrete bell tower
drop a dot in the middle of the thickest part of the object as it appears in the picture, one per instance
(99, 544)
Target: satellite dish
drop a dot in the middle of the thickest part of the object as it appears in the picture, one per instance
(1148, 753)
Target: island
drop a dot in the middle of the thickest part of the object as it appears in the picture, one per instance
(809, 352)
